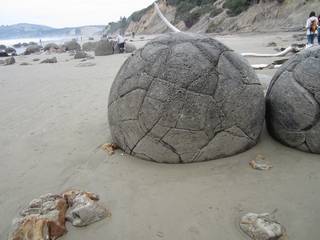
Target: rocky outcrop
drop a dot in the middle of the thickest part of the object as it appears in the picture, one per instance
(185, 98)
(293, 102)
(260, 16)
(51, 46)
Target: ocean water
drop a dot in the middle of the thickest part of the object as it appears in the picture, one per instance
(44, 41)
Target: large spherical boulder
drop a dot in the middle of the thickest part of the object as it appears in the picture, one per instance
(104, 48)
(72, 46)
(32, 49)
(293, 102)
(51, 46)
(185, 98)
(89, 46)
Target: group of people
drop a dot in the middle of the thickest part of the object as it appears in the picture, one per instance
(312, 26)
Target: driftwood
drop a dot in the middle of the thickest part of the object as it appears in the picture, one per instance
(290, 49)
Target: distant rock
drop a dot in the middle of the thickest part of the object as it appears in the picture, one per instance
(4, 54)
(72, 46)
(36, 59)
(9, 61)
(10, 50)
(32, 49)
(128, 48)
(104, 48)
(89, 46)
(25, 64)
(80, 55)
(91, 38)
(50, 60)
(18, 45)
(51, 46)
(86, 64)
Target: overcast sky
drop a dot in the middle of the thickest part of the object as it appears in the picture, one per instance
(67, 13)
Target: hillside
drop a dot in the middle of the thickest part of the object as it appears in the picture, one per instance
(25, 30)
(220, 16)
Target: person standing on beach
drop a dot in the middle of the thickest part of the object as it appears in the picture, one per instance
(120, 42)
(312, 28)
(318, 30)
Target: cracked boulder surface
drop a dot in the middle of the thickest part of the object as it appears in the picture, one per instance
(293, 102)
(185, 98)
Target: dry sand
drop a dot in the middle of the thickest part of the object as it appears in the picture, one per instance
(54, 117)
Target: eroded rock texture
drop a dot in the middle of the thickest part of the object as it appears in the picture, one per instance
(43, 218)
(185, 98)
(293, 102)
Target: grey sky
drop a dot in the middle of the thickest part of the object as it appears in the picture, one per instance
(67, 13)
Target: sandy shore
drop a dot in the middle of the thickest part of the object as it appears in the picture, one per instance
(54, 117)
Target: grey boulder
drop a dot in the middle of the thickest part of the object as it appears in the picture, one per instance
(32, 49)
(80, 55)
(185, 98)
(50, 60)
(104, 48)
(89, 46)
(293, 102)
(72, 46)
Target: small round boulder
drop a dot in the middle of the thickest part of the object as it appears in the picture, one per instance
(185, 98)
(293, 102)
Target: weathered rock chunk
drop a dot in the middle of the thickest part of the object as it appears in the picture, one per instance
(262, 227)
(293, 102)
(185, 98)
(9, 61)
(84, 208)
(50, 60)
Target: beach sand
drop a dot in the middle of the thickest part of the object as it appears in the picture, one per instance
(54, 118)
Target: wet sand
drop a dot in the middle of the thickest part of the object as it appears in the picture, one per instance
(54, 118)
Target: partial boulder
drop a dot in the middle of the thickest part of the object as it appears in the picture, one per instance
(104, 48)
(32, 49)
(293, 102)
(128, 48)
(51, 46)
(3, 47)
(50, 60)
(185, 98)
(80, 55)
(89, 46)
(72, 46)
